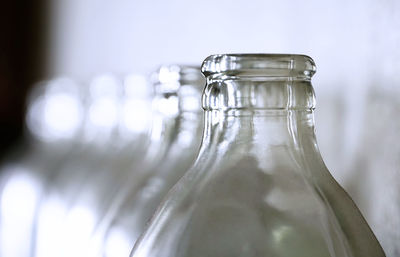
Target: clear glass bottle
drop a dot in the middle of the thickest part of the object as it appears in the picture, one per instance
(53, 122)
(259, 186)
(81, 189)
(178, 123)
(56, 224)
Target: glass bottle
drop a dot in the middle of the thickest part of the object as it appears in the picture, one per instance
(259, 186)
(53, 121)
(177, 125)
(82, 187)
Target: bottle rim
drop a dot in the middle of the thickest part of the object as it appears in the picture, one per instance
(259, 64)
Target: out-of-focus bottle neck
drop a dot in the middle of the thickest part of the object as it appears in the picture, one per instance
(176, 107)
(177, 89)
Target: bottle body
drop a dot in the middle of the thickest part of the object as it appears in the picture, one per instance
(141, 200)
(26, 170)
(177, 126)
(81, 187)
(257, 202)
(259, 186)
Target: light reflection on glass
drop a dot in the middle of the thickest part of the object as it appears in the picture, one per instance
(185, 138)
(136, 106)
(88, 119)
(157, 128)
(174, 144)
(103, 113)
(281, 233)
(50, 223)
(104, 97)
(135, 85)
(189, 99)
(168, 106)
(19, 198)
(118, 243)
(135, 116)
(168, 76)
(55, 113)
(104, 108)
(62, 114)
(62, 232)
(54, 119)
(79, 225)
(104, 86)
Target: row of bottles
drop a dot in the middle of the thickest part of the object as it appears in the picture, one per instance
(94, 151)
(102, 157)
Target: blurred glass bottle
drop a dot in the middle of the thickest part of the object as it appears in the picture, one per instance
(126, 149)
(63, 183)
(259, 186)
(73, 200)
(177, 125)
(99, 179)
(54, 119)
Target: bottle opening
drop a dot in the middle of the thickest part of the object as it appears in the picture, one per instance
(258, 81)
(259, 65)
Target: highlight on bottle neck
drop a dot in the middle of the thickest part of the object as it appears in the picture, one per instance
(178, 88)
(258, 81)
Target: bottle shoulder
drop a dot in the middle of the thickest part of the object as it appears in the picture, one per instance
(226, 208)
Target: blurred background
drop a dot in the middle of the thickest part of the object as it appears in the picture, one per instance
(355, 45)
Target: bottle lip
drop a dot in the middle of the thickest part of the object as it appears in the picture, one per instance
(255, 65)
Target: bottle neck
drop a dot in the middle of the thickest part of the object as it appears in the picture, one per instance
(176, 120)
(258, 93)
(259, 128)
(259, 99)
(272, 139)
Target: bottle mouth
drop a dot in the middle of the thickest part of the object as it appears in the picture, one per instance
(259, 65)
(258, 81)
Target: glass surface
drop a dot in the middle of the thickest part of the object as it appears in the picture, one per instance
(81, 188)
(177, 126)
(259, 186)
(53, 121)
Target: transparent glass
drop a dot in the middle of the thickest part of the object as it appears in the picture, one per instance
(81, 188)
(24, 172)
(177, 126)
(259, 186)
